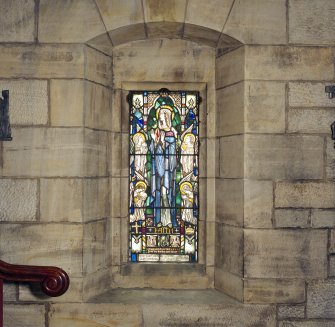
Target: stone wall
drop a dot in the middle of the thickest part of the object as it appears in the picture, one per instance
(276, 172)
(267, 160)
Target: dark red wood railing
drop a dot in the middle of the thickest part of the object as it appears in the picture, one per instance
(54, 281)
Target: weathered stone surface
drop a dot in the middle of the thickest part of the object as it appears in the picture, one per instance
(291, 312)
(311, 22)
(116, 111)
(202, 35)
(125, 109)
(226, 44)
(124, 207)
(330, 163)
(207, 115)
(128, 34)
(165, 29)
(310, 120)
(115, 150)
(18, 199)
(305, 94)
(258, 204)
(288, 63)
(71, 199)
(170, 61)
(332, 241)
(160, 10)
(94, 315)
(208, 242)
(231, 156)
(258, 21)
(211, 14)
(309, 323)
(264, 107)
(323, 218)
(305, 195)
(117, 13)
(28, 101)
(321, 299)
(98, 111)
(168, 281)
(115, 197)
(67, 102)
(285, 254)
(98, 67)
(283, 157)
(94, 248)
(115, 242)
(95, 153)
(24, 315)
(102, 43)
(208, 315)
(42, 61)
(203, 195)
(229, 250)
(274, 291)
(64, 245)
(332, 266)
(18, 22)
(96, 283)
(228, 283)
(61, 200)
(230, 110)
(229, 205)
(124, 155)
(230, 68)
(44, 152)
(97, 189)
(211, 158)
(68, 21)
(288, 218)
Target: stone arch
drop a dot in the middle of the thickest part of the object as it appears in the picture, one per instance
(171, 30)
(104, 24)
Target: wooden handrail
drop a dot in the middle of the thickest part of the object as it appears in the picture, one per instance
(54, 281)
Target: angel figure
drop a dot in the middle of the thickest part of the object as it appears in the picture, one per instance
(139, 198)
(141, 149)
(186, 191)
(187, 153)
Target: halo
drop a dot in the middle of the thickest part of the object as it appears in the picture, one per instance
(138, 135)
(141, 184)
(182, 186)
(189, 134)
(165, 107)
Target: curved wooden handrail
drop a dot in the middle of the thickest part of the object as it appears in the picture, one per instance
(54, 281)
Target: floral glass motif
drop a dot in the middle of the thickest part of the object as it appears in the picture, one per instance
(164, 182)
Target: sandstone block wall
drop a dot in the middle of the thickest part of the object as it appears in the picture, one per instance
(54, 185)
(267, 161)
(276, 179)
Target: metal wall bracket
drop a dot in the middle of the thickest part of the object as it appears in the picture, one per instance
(5, 130)
(330, 89)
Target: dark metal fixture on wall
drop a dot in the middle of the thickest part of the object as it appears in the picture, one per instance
(5, 131)
(330, 89)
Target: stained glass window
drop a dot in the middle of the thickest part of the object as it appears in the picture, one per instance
(163, 182)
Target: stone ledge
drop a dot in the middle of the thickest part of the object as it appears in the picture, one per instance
(162, 269)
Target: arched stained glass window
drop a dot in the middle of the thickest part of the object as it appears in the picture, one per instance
(163, 179)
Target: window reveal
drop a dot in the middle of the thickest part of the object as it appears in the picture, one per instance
(163, 183)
